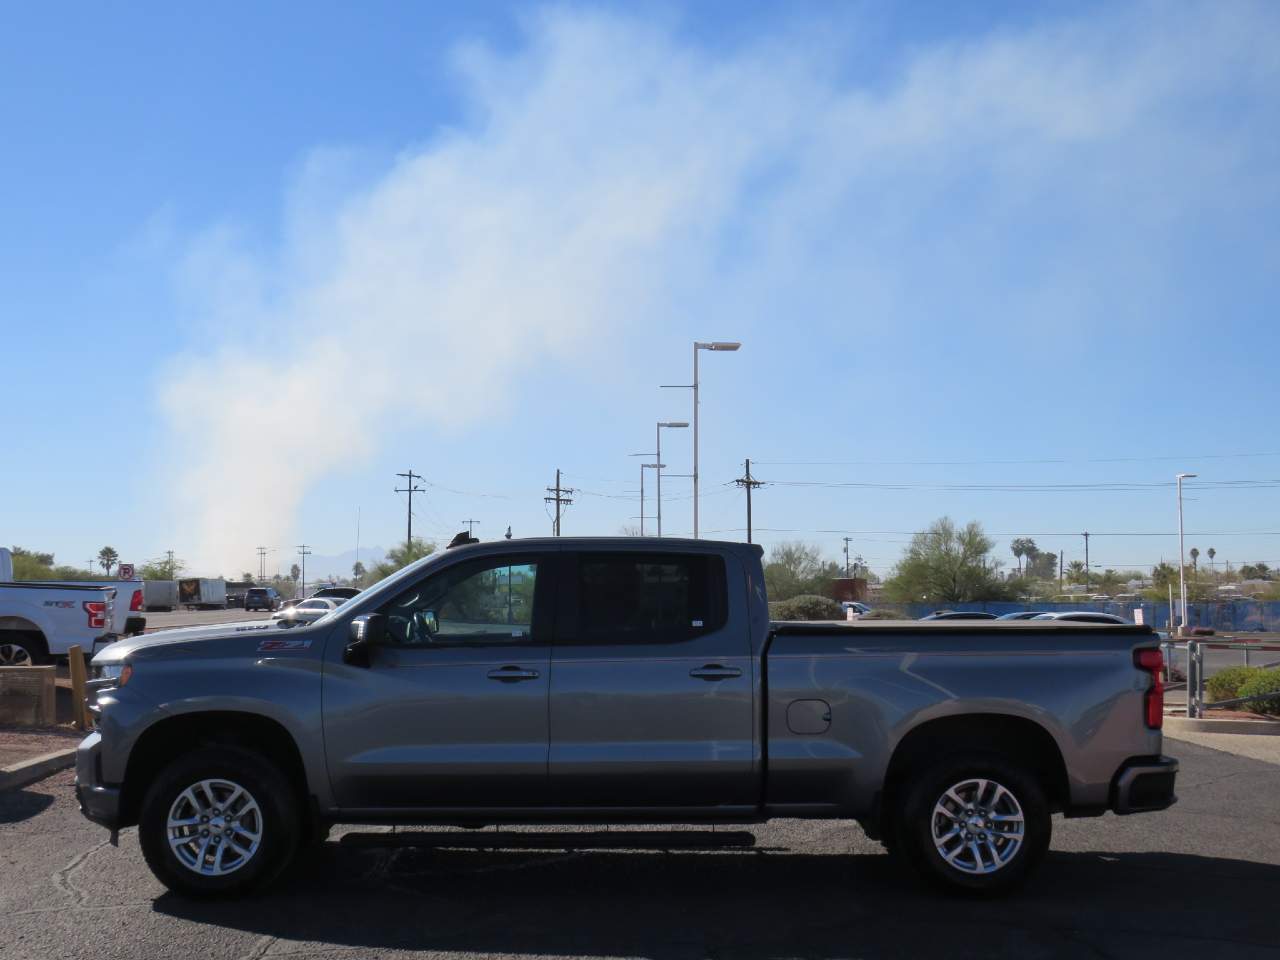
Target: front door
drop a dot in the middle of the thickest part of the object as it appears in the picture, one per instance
(452, 709)
(651, 689)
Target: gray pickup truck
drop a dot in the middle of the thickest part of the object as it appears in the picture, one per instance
(615, 681)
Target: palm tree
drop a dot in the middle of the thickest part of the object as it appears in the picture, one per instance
(1075, 571)
(1212, 553)
(1195, 555)
(1021, 547)
(107, 558)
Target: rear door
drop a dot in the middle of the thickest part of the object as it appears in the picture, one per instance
(452, 711)
(651, 693)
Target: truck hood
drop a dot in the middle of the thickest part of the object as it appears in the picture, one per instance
(115, 652)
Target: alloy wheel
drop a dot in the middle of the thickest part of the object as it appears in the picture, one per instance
(978, 826)
(214, 827)
(14, 655)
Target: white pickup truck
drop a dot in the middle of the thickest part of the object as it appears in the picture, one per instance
(43, 620)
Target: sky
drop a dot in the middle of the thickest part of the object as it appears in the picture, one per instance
(1002, 262)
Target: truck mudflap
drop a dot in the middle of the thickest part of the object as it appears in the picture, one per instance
(1144, 784)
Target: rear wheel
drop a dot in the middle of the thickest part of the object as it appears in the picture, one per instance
(976, 823)
(219, 822)
(22, 649)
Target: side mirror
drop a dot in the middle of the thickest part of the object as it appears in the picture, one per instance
(427, 622)
(367, 632)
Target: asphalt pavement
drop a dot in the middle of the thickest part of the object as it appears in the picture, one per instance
(1201, 879)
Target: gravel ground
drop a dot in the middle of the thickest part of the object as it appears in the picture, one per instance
(23, 743)
(1201, 879)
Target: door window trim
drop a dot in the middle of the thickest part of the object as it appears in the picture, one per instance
(544, 598)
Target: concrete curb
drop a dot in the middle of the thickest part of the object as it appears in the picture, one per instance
(1263, 728)
(37, 768)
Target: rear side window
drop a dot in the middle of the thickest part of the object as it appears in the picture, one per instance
(649, 598)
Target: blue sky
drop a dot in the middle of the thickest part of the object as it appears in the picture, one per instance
(254, 262)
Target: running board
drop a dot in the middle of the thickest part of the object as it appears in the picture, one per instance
(565, 840)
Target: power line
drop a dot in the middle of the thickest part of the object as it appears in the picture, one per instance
(1009, 462)
(411, 489)
(749, 483)
(561, 499)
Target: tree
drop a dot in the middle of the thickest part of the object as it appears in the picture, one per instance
(1075, 571)
(163, 568)
(948, 564)
(402, 556)
(357, 573)
(36, 565)
(796, 569)
(1195, 555)
(107, 558)
(1255, 571)
(295, 572)
(1018, 546)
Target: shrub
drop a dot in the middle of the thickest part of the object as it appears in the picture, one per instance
(806, 607)
(1266, 681)
(1226, 684)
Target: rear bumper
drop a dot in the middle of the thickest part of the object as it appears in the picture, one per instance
(1144, 784)
(98, 801)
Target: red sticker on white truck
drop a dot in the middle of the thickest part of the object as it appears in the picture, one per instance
(276, 646)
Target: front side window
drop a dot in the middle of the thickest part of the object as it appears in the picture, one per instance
(629, 598)
(488, 602)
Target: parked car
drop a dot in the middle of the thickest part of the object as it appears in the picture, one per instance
(1083, 616)
(262, 598)
(341, 593)
(308, 610)
(430, 699)
(858, 608)
(959, 615)
(1020, 615)
(41, 620)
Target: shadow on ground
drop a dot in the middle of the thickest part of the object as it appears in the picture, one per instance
(21, 805)
(752, 905)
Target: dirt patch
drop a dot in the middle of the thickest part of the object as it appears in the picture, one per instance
(1222, 713)
(22, 743)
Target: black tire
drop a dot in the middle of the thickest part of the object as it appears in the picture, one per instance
(20, 649)
(913, 828)
(277, 822)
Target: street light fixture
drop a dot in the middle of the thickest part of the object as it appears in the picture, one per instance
(719, 346)
(1182, 560)
(670, 425)
(643, 468)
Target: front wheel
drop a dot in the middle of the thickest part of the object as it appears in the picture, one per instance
(219, 822)
(976, 823)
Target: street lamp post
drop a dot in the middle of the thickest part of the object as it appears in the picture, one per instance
(669, 424)
(718, 346)
(1182, 560)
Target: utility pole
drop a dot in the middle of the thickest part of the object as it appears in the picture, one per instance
(846, 556)
(471, 526)
(1088, 583)
(1060, 556)
(411, 488)
(750, 483)
(169, 555)
(262, 563)
(303, 552)
(561, 499)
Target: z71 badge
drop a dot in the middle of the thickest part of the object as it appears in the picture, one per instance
(275, 646)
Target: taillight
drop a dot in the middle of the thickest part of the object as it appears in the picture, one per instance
(136, 603)
(97, 611)
(1152, 661)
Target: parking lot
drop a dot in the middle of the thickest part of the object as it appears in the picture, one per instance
(1200, 879)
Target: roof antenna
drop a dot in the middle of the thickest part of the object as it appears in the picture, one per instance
(462, 540)
(508, 534)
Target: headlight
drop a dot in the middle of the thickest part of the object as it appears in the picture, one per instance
(119, 672)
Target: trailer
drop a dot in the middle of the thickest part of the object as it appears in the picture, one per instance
(160, 594)
(200, 593)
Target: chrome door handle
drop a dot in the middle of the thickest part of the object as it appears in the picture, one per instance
(713, 671)
(512, 674)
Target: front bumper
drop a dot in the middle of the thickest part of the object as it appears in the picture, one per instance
(98, 801)
(1144, 784)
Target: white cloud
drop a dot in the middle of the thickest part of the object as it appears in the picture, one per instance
(609, 162)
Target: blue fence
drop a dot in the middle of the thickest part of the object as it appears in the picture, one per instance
(1242, 617)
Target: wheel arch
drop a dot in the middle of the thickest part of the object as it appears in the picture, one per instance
(159, 743)
(1018, 738)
